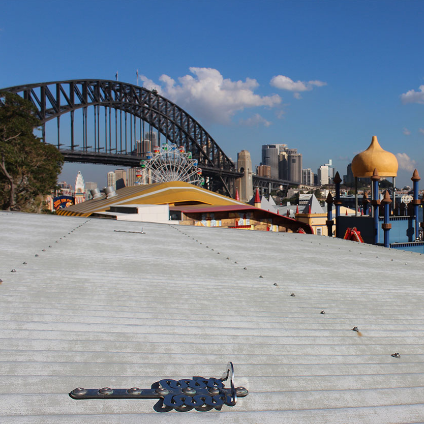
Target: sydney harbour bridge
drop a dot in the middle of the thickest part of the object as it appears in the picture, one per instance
(103, 122)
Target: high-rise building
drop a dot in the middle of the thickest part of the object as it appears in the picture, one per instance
(294, 166)
(270, 157)
(111, 180)
(326, 173)
(120, 178)
(152, 137)
(245, 184)
(143, 147)
(323, 175)
(131, 176)
(283, 165)
(307, 177)
(263, 171)
(349, 179)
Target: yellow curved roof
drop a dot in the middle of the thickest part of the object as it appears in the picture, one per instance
(171, 193)
(375, 157)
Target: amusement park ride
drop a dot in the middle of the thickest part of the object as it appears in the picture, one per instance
(169, 163)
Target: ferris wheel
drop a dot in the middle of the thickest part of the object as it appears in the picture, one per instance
(169, 163)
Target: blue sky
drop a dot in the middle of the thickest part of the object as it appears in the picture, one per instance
(320, 76)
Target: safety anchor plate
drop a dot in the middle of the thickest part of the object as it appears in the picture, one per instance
(202, 394)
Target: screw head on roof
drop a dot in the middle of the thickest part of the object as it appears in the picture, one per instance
(214, 391)
(1, 280)
(322, 312)
(292, 295)
(162, 392)
(105, 391)
(275, 284)
(79, 391)
(244, 268)
(395, 355)
(355, 329)
(236, 262)
(49, 246)
(189, 391)
(241, 391)
(228, 258)
(13, 270)
(261, 276)
(24, 263)
(43, 250)
(36, 256)
(134, 391)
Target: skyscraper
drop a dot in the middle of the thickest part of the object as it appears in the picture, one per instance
(307, 177)
(270, 156)
(326, 173)
(349, 179)
(283, 166)
(120, 178)
(294, 168)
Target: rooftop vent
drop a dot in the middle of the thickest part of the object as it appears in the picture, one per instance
(96, 193)
(110, 192)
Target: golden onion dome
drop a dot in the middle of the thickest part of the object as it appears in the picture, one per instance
(375, 157)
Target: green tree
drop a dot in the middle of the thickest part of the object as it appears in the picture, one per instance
(386, 184)
(28, 166)
(317, 193)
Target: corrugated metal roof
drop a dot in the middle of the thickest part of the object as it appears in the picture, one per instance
(121, 309)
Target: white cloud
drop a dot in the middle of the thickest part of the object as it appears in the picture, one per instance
(255, 120)
(421, 130)
(285, 83)
(209, 96)
(280, 114)
(406, 131)
(413, 96)
(149, 84)
(405, 162)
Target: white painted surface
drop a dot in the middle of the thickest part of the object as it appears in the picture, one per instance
(103, 308)
(143, 213)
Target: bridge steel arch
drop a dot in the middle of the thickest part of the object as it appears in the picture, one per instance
(55, 99)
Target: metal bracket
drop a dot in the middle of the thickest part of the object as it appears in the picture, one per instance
(202, 394)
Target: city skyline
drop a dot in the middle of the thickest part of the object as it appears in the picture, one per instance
(321, 77)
